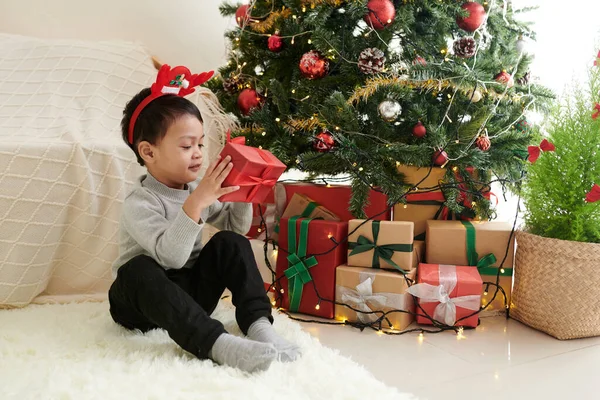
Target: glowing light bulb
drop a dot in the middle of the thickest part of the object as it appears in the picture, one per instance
(281, 291)
(406, 206)
(318, 306)
(502, 270)
(277, 119)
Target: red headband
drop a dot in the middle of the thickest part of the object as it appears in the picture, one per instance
(178, 81)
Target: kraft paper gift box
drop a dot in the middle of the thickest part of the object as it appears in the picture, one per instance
(448, 243)
(306, 259)
(421, 207)
(368, 290)
(305, 207)
(335, 198)
(383, 244)
(414, 175)
(255, 170)
(448, 293)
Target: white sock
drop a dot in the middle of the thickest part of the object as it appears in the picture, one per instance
(242, 353)
(262, 331)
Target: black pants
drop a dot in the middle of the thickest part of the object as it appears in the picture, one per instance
(145, 296)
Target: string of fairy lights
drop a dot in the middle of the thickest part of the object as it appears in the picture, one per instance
(382, 323)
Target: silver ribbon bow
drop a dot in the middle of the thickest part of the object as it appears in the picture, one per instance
(445, 311)
(363, 299)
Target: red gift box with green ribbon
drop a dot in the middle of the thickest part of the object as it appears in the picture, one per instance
(307, 259)
(335, 198)
(255, 170)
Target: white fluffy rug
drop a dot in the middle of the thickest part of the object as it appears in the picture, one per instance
(76, 351)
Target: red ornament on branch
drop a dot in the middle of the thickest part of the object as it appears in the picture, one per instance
(440, 158)
(505, 78)
(275, 43)
(381, 14)
(419, 130)
(248, 100)
(476, 16)
(324, 142)
(242, 15)
(313, 65)
(419, 61)
(483, 142)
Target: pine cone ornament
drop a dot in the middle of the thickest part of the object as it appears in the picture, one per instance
(371, 61)
(483, 142)
(233, 85)
(524, 80)
(465, 47)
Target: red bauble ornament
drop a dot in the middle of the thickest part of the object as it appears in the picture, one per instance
(483, 142)
(275, 43)
(505, 78)
(419, 61)
(242, 15)
(324, 142)
(419, 130)
(381, 14)
(248, 100)
(440, 158)
(475, 18)
(313, 65)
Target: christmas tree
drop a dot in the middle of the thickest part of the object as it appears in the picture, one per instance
(357, 88)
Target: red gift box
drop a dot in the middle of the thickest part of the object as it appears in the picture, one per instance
(255, 170)
(298, 274)
(336, 198)
(448, 293)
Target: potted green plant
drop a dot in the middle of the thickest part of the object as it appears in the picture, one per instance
(557, 265)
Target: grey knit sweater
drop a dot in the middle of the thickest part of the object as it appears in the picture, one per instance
(153, 223)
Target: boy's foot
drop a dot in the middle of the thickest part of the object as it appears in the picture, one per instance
(247, 355)
(262, 331)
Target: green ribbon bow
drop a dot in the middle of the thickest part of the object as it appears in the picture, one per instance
(297, 272)
(485, 263)
(385, 252)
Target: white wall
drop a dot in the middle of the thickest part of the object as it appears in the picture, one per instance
(187, 32)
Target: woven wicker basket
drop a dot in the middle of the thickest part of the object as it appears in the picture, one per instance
(557, 286)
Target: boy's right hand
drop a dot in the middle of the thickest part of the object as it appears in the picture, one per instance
(210, 188)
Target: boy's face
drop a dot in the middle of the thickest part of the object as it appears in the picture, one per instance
(179, 153)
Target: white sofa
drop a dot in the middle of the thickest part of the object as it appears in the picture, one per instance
(64, 169)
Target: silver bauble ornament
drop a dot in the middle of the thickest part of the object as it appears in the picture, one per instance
(475, 96)
(389, 110)
(522, 45)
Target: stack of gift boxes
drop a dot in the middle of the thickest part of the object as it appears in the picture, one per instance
(331, 265)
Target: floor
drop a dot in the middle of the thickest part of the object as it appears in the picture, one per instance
(501, 359)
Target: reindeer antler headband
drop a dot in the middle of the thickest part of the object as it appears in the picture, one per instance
(178, 81)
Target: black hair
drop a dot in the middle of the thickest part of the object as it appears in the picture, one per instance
(155, 119)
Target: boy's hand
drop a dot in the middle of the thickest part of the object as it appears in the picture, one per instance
(210, 188)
